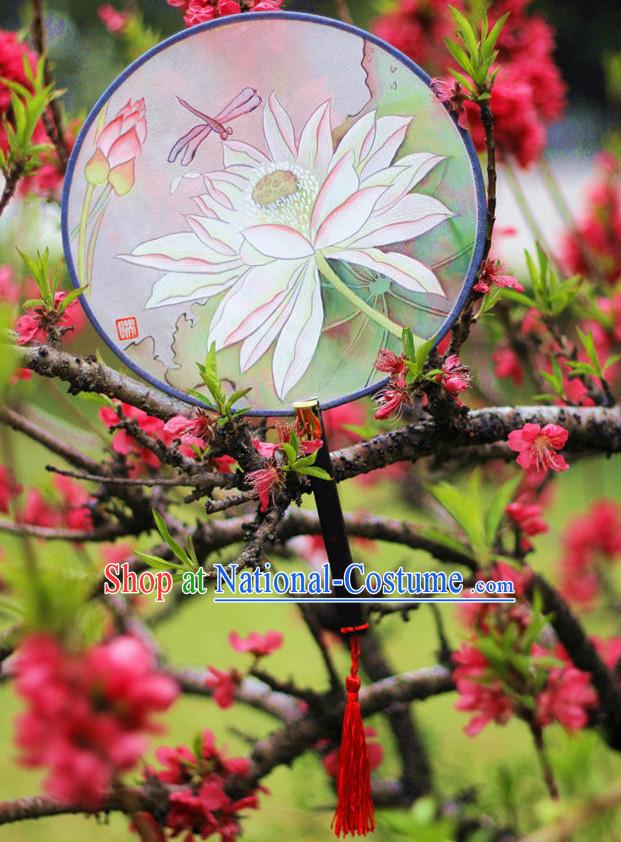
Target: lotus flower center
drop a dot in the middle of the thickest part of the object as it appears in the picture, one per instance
(282, 194)
(275, 186)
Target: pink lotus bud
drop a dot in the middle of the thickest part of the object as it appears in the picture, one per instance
(117, 147)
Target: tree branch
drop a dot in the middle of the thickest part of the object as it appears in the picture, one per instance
(24, 425)
(585, 657)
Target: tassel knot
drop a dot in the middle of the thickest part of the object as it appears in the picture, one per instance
(352, 684)
(355, 813)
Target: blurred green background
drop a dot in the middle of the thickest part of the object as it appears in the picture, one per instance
(499, 765)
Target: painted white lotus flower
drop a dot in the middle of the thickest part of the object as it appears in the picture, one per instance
(270, 224)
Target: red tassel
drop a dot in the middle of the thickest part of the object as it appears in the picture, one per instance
(355, 811)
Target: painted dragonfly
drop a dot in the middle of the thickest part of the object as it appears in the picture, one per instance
(187, 146)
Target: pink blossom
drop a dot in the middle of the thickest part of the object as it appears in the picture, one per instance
(518, 127)
(116, 552)
(609, 651)
(338, 420)
(28, 329)
(455, 377)
(507, 364)
(9, 489)
(478, 692)
(256, 643)
(180, 426)
(9, 290)
(37, 511)
(389, 362)
(392, 399)
(200, 11)
(527, 516)
(567, 698)
(597, 236)
(418, 29)
(74, 508)
(87, 713)
(200, 803)
(33, 326)
(265, 481)
(480, 616)
(192, 447)
(268, 450)
(224, 686)
(265, 449)
(224, 464)
(591, 542)
(141, 457)
(14, 52)
(492, 275)
(138, 456)
(114, 20)
(537, 447)
(451, 93)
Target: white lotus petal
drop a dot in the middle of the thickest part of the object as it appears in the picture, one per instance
(279, 131)
(258, 343)
(341, 183)
(186, 175)
(218, 235)
(278, 241)
(175, 287)
(358, 137)
(183, 252)
(404, 270)
(229, 193)
(251, 257)
(409, 218)
(251, 301)
(389, 136)
(300, 335)
(238, 153)
(214, 210)
(349, 218)
(399, 179)
(315, 149)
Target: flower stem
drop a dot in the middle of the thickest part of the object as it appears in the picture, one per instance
(88, 199)
(546, 768)
(340, 286)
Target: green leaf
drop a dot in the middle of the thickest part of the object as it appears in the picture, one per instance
(423, 351)
(445, 540)
(158, 563)
(502, 497)
(238, 395)
(465, 509)
(490, 42)
(314, 471)
(200, 397)
(466, 30)
(304, 461)
(290, 452)
(463, 81)
(460, 57)
(95, 397)
(490, 300)
(408, 343)
(168, 538)
(588, 343)
(69, 298)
